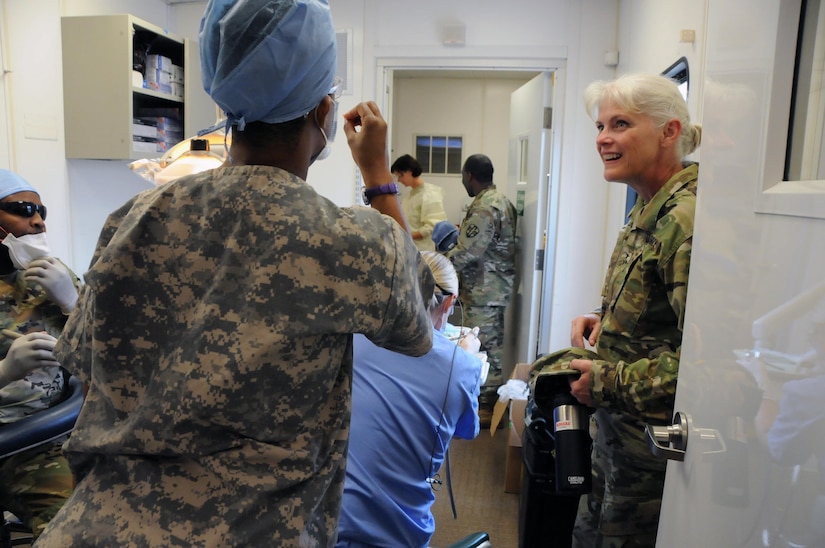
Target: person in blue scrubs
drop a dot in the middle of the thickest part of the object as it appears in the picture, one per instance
(405, 411)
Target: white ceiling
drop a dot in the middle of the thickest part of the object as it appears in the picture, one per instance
(464, 73)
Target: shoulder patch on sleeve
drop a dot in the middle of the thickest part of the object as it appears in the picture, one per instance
(472, 231)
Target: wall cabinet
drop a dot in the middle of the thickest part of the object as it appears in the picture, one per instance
(103, 96)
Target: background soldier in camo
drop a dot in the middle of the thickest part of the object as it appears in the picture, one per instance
(36, 294)
(485, 259)
(215, 329)
(644, 132)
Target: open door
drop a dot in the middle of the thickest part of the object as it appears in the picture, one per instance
(531, 121)
(748, 440)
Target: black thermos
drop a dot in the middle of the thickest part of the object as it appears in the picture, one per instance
(572, 436)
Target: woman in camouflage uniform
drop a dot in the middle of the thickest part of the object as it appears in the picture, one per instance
(644, 132)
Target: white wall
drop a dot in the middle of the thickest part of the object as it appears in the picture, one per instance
(645, 23)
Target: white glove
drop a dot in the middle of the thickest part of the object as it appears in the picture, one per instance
(485, 366)
(469, 341)
(26, 354)
(56, 281)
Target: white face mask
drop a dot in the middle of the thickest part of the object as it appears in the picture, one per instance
(26, 248)
(327, 150)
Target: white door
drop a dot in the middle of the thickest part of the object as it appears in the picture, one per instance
(752, 376)
(531, 121)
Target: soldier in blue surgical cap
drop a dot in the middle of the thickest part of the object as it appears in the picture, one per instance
(37, 291)
(215, 329)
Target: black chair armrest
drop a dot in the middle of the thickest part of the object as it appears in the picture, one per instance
(48, 425)
(473, 541)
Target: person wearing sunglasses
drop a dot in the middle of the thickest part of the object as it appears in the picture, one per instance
(36, 293)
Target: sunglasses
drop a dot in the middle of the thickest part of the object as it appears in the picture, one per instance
(24, 209)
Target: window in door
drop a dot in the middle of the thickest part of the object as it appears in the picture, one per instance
(805, 158)
(793, 169)
(439, 154)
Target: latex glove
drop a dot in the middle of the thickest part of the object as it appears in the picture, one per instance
(26, 354)
(485, 366)
(55, 280)
(469, 341)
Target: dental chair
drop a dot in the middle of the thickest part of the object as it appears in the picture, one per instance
(476, 540)
(44, 427)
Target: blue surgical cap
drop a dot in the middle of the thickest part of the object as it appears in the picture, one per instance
(445, 236)
(12, 183)
(267, 60)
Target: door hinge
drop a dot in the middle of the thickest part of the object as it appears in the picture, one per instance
(548, 117)
(539, 259)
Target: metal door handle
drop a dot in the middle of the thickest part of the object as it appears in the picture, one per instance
(661, 438)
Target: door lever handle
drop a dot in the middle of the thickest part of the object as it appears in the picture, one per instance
(669, 441)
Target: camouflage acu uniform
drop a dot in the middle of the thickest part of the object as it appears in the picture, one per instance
(36, 482)
(215, 332)
(642, 313)
(485, 259)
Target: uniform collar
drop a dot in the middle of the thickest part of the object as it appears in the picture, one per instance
(648, 215)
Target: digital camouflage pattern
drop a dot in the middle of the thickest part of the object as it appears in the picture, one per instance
(490, 323)
(36, 482)
(485, 255)
(485, 259)
(215, 333)
(24, 308)
(634, 382)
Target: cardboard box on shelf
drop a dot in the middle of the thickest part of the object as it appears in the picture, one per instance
(170, 136)
(158, 81)
(144, 146)
(159, 62)
(142, 128)
(163, 123)
(177, 90)
(168, 112)
(517, 409)
(177, 74)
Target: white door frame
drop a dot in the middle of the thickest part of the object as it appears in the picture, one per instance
(385, 68)
(6, 142)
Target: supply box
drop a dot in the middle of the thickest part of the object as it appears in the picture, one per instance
(517, 409)
(159, 63)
